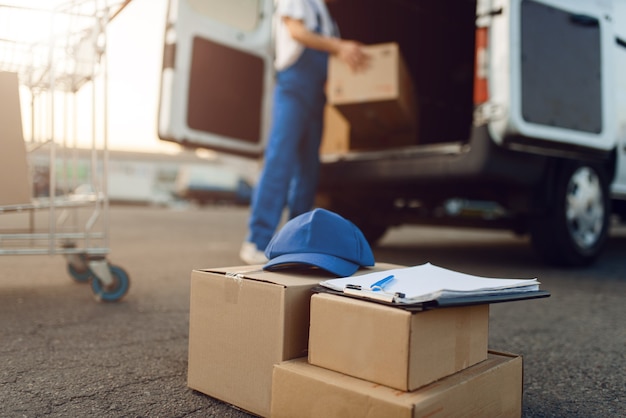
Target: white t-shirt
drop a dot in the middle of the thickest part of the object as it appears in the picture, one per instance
(288, 50)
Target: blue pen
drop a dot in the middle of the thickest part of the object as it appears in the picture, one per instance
(380, 285)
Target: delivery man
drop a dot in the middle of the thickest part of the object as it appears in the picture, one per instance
(305, 36)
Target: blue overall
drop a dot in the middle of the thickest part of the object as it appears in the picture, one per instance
(291, 168)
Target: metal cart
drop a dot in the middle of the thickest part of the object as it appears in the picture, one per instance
(57, 55)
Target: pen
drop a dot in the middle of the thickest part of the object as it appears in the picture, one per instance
(380, 285)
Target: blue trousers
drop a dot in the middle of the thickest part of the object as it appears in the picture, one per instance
(291, 168)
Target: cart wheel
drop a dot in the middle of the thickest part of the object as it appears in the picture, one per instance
(80, 274)
(116, 290)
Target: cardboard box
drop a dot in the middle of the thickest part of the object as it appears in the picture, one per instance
(337, 138)
(242, 321)
(378, 102)
(392, 346)
(15, 181)
(492, 388)
(336, 135)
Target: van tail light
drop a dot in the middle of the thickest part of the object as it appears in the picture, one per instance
(481, 70)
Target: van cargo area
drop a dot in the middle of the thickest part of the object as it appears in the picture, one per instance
(455, 173)
(436, 39)
(414, 183)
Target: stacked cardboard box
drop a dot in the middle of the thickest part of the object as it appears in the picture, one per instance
(394, 347)
(250, 331)
(376, 106)
(367, 359)
(243, 321)
(492, 388)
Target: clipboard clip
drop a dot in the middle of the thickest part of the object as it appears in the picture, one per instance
(358, 290)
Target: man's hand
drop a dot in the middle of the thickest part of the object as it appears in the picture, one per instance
(351, 53)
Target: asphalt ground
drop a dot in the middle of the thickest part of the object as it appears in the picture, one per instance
(62, 354)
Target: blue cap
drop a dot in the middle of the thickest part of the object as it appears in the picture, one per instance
(322, 239)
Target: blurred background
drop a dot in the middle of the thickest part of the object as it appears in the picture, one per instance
(142, 168)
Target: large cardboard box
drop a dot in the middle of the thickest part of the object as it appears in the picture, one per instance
(242, 321)
(392, 346)
(492, 388)
(379, 102)
(15, 182)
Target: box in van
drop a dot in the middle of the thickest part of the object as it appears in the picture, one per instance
(378, 102)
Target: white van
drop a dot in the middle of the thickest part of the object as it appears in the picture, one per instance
(521, 109)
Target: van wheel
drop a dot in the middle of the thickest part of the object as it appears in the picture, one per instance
(575, 229)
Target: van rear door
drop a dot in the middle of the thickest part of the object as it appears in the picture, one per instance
(217, 71)
(551, 74)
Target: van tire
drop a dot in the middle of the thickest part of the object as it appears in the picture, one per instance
(576, 225)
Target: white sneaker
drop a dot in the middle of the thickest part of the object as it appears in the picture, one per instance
(250, 254)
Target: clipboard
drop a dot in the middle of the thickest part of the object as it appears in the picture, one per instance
(500, 297)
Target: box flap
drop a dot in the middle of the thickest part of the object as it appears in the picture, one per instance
(287, 277)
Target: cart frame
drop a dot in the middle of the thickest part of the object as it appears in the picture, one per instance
(63, 76)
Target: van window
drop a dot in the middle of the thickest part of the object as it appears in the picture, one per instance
(561, 68)
(219, 79)
(240, 14)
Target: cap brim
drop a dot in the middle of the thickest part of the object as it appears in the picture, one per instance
(330, 263)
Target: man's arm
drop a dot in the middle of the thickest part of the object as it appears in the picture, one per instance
(348, 51)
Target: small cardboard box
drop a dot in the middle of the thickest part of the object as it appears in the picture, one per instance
(242, 321)
(377, 102)
(492, 388)
(392, 346)
(15, 182)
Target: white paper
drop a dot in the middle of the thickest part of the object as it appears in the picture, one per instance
(427, 282)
